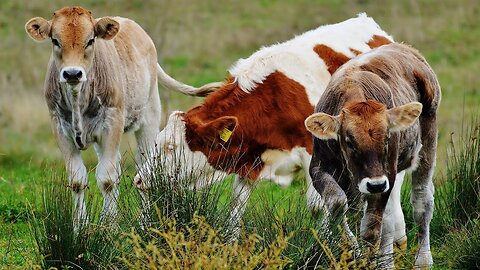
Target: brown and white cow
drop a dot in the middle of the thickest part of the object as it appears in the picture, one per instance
(367, 134)
(254, 123)
(101, 81)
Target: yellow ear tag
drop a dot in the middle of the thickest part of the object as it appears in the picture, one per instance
(225, 134)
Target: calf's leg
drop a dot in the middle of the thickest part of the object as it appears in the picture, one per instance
(423, 190)
(242, 189)
(108, 168)
(146, 147)
(77, 174)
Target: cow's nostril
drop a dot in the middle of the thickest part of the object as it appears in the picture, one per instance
(72, 74)
(377, 187)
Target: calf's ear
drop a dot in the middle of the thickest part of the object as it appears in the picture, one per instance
(106, 28)
(38, 28)
(323, 126)
(221, 128)
(402, 117)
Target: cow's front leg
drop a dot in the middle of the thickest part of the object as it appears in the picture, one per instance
(108, 168)
(371, 223)
(77, 173)
(242, 188)
(332, 199)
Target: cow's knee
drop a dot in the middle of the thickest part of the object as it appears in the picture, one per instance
(107, 179)
(422, 200)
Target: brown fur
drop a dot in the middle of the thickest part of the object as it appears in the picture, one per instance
(378, 41)
(332, 59)
(363, 95)
(356, 52)
(270, 117)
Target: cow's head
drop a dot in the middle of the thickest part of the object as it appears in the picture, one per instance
(363, 130)
(176, 157)
(72, 31)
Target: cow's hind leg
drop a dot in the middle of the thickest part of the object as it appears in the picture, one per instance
(423, 190)
(147, 150)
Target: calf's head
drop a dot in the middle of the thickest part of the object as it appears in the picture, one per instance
(363, 130)
(176, 157)
(72, 31)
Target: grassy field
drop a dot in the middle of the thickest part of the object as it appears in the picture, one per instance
(197, 41)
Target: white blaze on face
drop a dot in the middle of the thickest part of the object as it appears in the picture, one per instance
(374, 185)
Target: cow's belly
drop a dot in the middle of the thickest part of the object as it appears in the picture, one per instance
(133, 120)
(279, 162)
(409, 156)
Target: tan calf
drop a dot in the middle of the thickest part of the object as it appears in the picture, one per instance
(101, 81)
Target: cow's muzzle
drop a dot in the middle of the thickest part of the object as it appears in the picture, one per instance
(72, 75)
(374, 185)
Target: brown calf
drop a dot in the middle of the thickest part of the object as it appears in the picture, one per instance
(366, 132)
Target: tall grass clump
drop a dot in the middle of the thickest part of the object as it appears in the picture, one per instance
(458, 202)
(462, 247)
(181, 192)
(316, 240)
(460, 195)
(57, 243)
(270, 216)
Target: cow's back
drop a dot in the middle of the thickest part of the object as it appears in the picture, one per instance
(398, 73)
(311, 58)
(129, 65)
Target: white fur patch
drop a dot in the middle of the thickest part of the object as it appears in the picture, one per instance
(297, 60)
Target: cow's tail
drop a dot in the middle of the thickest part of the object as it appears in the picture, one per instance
(173, 84)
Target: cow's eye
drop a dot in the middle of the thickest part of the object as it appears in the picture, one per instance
(55, 43)
(349, 143)
(90, 42)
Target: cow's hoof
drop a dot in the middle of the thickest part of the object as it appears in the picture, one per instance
(402, 243)
(424, 260)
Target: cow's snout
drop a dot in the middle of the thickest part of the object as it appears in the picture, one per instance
(72, 75)
(374, 185)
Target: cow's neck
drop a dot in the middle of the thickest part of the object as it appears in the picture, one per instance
(77, 100)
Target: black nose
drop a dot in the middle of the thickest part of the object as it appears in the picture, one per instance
(376, 188)
(72, 75)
